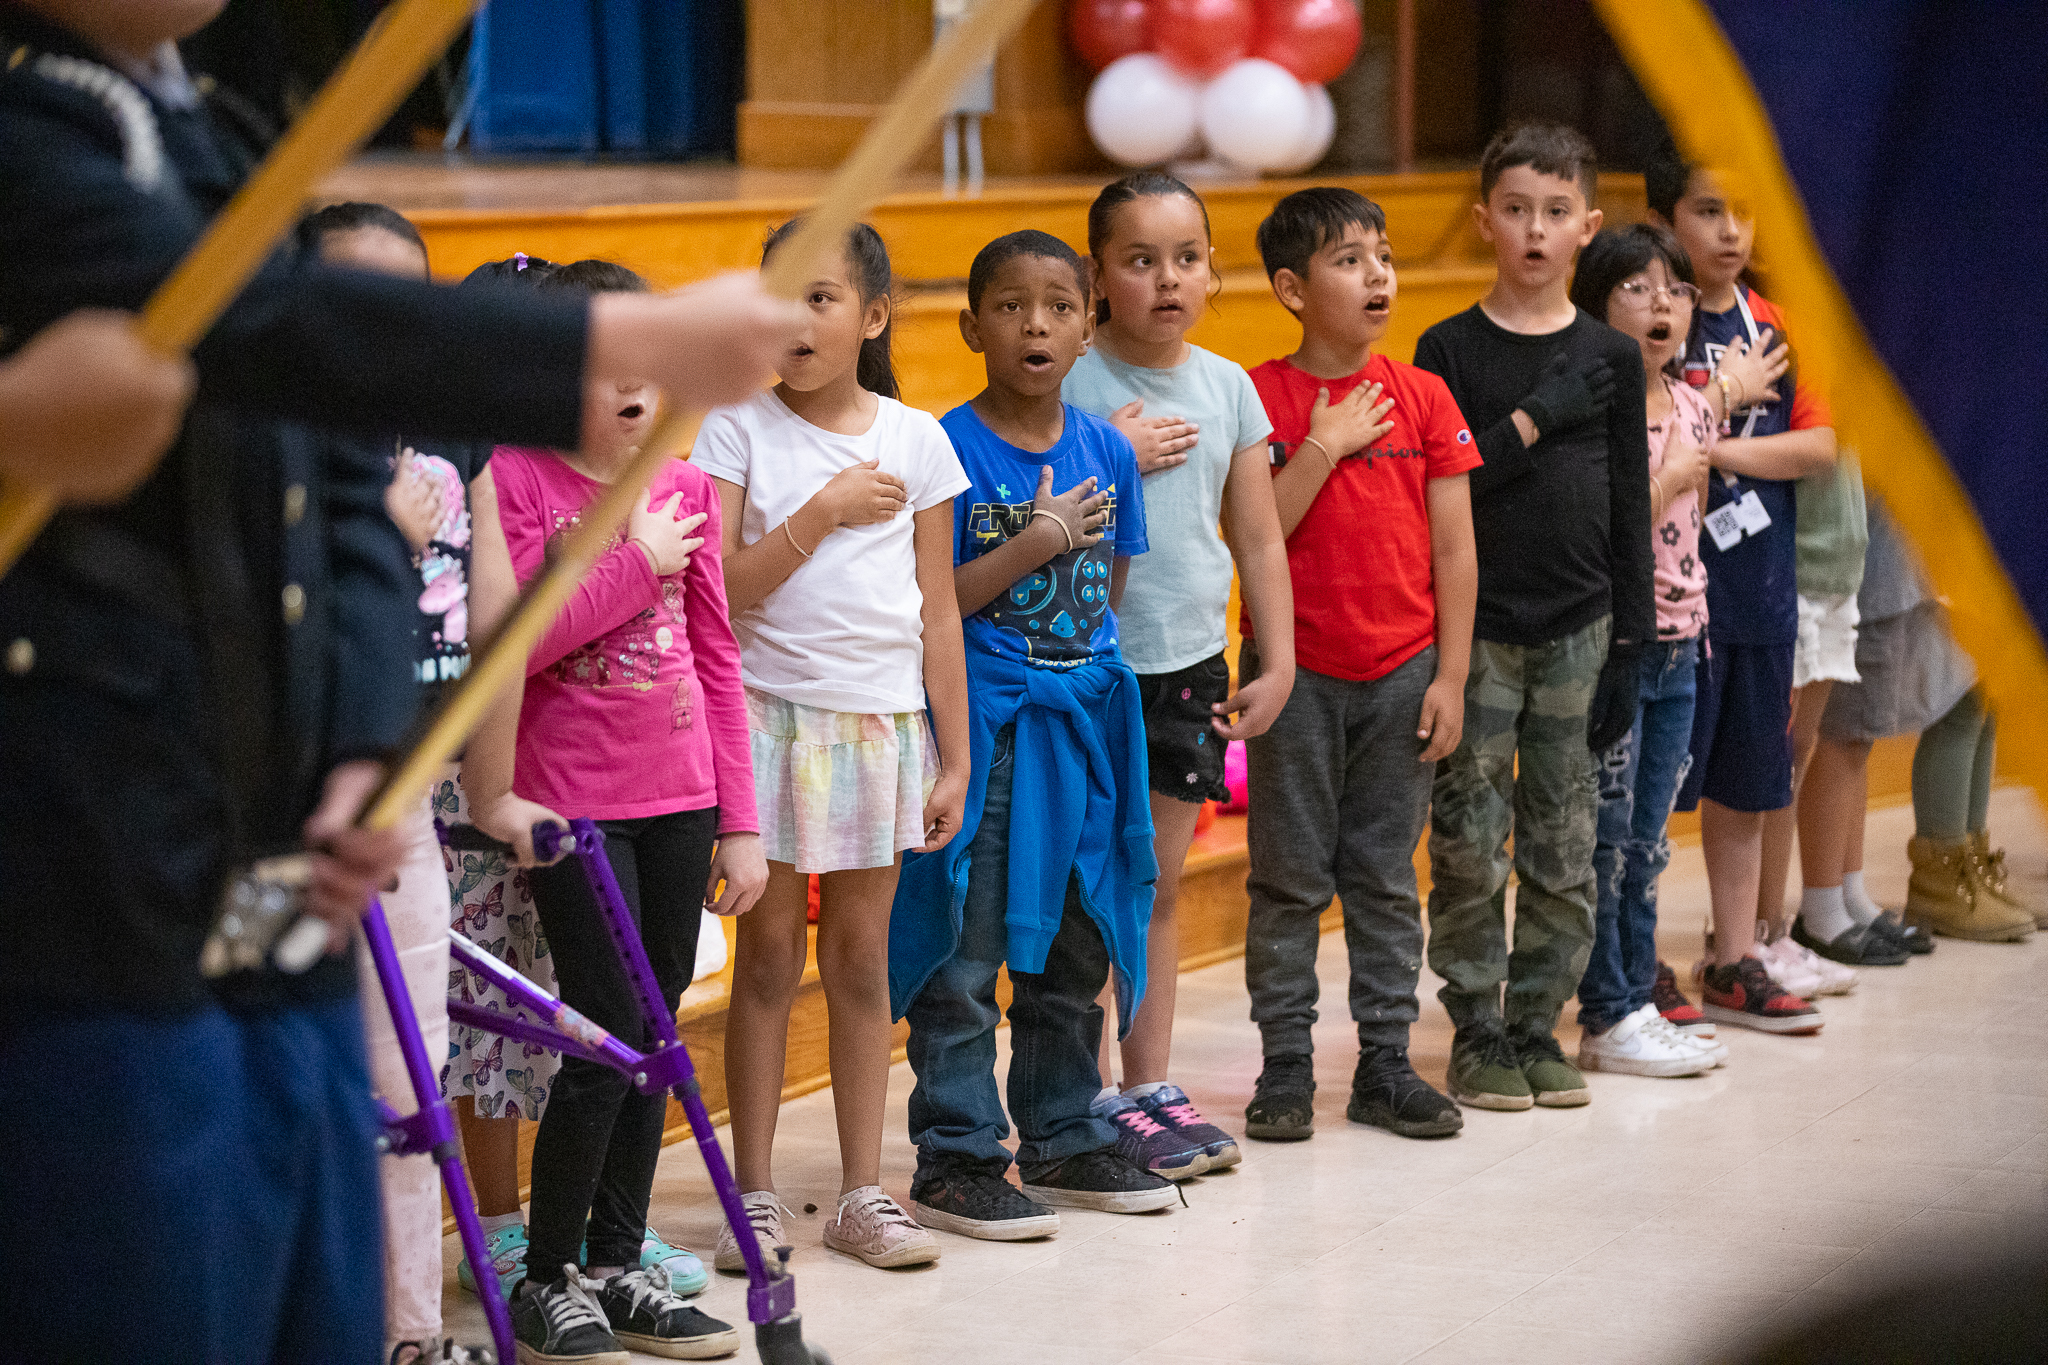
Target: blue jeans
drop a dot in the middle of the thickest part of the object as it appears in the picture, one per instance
(1639, 781)
(1055, 1024)
(240, 1144)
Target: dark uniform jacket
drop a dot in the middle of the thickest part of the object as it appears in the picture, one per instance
(179, 672)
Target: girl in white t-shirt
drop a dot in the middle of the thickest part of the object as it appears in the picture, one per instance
(838, 515)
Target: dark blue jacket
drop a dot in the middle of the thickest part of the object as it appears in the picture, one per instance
(196, 658)
(1080, 805)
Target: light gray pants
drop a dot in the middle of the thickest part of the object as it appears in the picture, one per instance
(1338, 802)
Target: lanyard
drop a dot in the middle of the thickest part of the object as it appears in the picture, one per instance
(1749, 325)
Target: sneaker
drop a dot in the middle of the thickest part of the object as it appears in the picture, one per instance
(1386, 1093)
(1147, 1143)
(1484, 1072)
(686, 1273)
(1170, 1107)
(971, 1198)
(1103, 1179)
(764, 1213)
(875, 1228)
(563, 1322)
(441, 1351)
(1834, 978)
(1283, 1107)
(1643, 1044)
(1678, 1011)
(508, 1257)
(1555, 1082)
(1784, 964)
(648, 1315)
(1745, 995)
(1860, 945)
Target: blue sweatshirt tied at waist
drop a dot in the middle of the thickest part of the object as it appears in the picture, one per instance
(1080, 805)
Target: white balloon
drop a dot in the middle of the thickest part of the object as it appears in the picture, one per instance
(1315, 138)
(1141, 111)
(1255, 115)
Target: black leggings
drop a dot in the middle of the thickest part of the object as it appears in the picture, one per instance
(599, 1137)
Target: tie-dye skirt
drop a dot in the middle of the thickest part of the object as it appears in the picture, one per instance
(838, 790)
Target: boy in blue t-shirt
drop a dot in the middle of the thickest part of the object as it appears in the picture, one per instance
(1063, 894)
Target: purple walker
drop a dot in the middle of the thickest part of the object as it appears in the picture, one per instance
(771, 1290)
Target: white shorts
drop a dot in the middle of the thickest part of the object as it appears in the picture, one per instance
(1826, 651)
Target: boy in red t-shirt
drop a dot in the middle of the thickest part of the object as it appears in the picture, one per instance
(1369, 471)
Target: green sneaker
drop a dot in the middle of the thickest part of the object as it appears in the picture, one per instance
(1556, 1083)
(1484, 1072)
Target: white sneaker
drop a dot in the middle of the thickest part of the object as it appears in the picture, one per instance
(1834, 977)
(1711, 1048)
(1642, 1044)
(1781, 960)
(764, 1213)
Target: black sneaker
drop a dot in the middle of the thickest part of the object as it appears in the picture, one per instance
(1911, 937)
(563, 1322)
(647, 1315)
(1386, 1093)
(1860, 945)
(972, 1198)
(1283, 1107)
(1102, 1180)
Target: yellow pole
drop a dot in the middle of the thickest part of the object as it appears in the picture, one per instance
(389, 61)
(863, 178)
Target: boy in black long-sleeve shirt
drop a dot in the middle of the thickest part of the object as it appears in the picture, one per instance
(1561, 513)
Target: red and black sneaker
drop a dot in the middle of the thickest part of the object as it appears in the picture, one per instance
(1745, 995)
(1678, 1011)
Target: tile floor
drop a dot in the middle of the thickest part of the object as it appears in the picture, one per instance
(1661, 1223)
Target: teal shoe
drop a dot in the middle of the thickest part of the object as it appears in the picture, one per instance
(686, 1274)
(508, 1258)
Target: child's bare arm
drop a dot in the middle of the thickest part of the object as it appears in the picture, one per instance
(1454, 569)
(1788, 455)
(1252, 526)
(859, 495)
(945, 675)
(1073, 520)
(1334, 431)
(1119, 574)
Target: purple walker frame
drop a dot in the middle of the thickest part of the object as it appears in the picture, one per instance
(771, 1290)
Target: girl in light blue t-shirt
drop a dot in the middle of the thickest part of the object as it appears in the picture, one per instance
(1200, 435)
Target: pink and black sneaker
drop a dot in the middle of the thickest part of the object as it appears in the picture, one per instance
(1678, 1011)
(1170, 1107)
(1745, 995)
(1145, 1142)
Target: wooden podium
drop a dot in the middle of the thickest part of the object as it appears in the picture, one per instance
(818, 70)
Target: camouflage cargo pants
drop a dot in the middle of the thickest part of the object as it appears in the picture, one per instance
(1525, 703)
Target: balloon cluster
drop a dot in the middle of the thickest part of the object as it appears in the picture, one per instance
(1242, 78)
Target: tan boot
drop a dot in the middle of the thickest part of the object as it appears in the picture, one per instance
(1988, 865)
(1942, 895)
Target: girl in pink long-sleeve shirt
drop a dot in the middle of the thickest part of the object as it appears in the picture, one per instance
(633, 715)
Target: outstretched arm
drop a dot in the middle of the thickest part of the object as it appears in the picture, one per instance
(945, 675)
(1252, 526)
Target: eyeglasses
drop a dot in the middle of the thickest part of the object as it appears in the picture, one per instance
(1638, 294)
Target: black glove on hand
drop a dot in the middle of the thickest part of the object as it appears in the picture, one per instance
(1613, 712)
(1569, 396)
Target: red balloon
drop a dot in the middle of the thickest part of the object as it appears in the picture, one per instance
(1201, 37)
(1314, 39)
(1104, 30)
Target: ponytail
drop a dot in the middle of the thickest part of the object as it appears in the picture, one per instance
(1102, 216)
(867, 261)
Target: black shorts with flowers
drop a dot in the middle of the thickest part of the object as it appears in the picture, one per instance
(1185, 751)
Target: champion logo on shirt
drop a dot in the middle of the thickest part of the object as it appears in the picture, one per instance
(1464, 437)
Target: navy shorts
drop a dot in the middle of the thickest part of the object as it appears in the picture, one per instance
(1741, 729)
(1185, 752)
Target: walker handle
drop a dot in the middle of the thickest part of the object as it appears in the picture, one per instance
(550, 840)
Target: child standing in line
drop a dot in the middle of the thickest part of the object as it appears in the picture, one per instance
(1561, 514)
(1639, 282)
(1053, 874)
(1371, 463)
(632, 715)
(1741, 749)
(837, 506)
(427, 499)
(1149, 236)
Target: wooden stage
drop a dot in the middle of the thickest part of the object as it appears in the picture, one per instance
(679, 223)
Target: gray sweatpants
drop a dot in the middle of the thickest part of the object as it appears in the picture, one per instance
(1338, 803)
